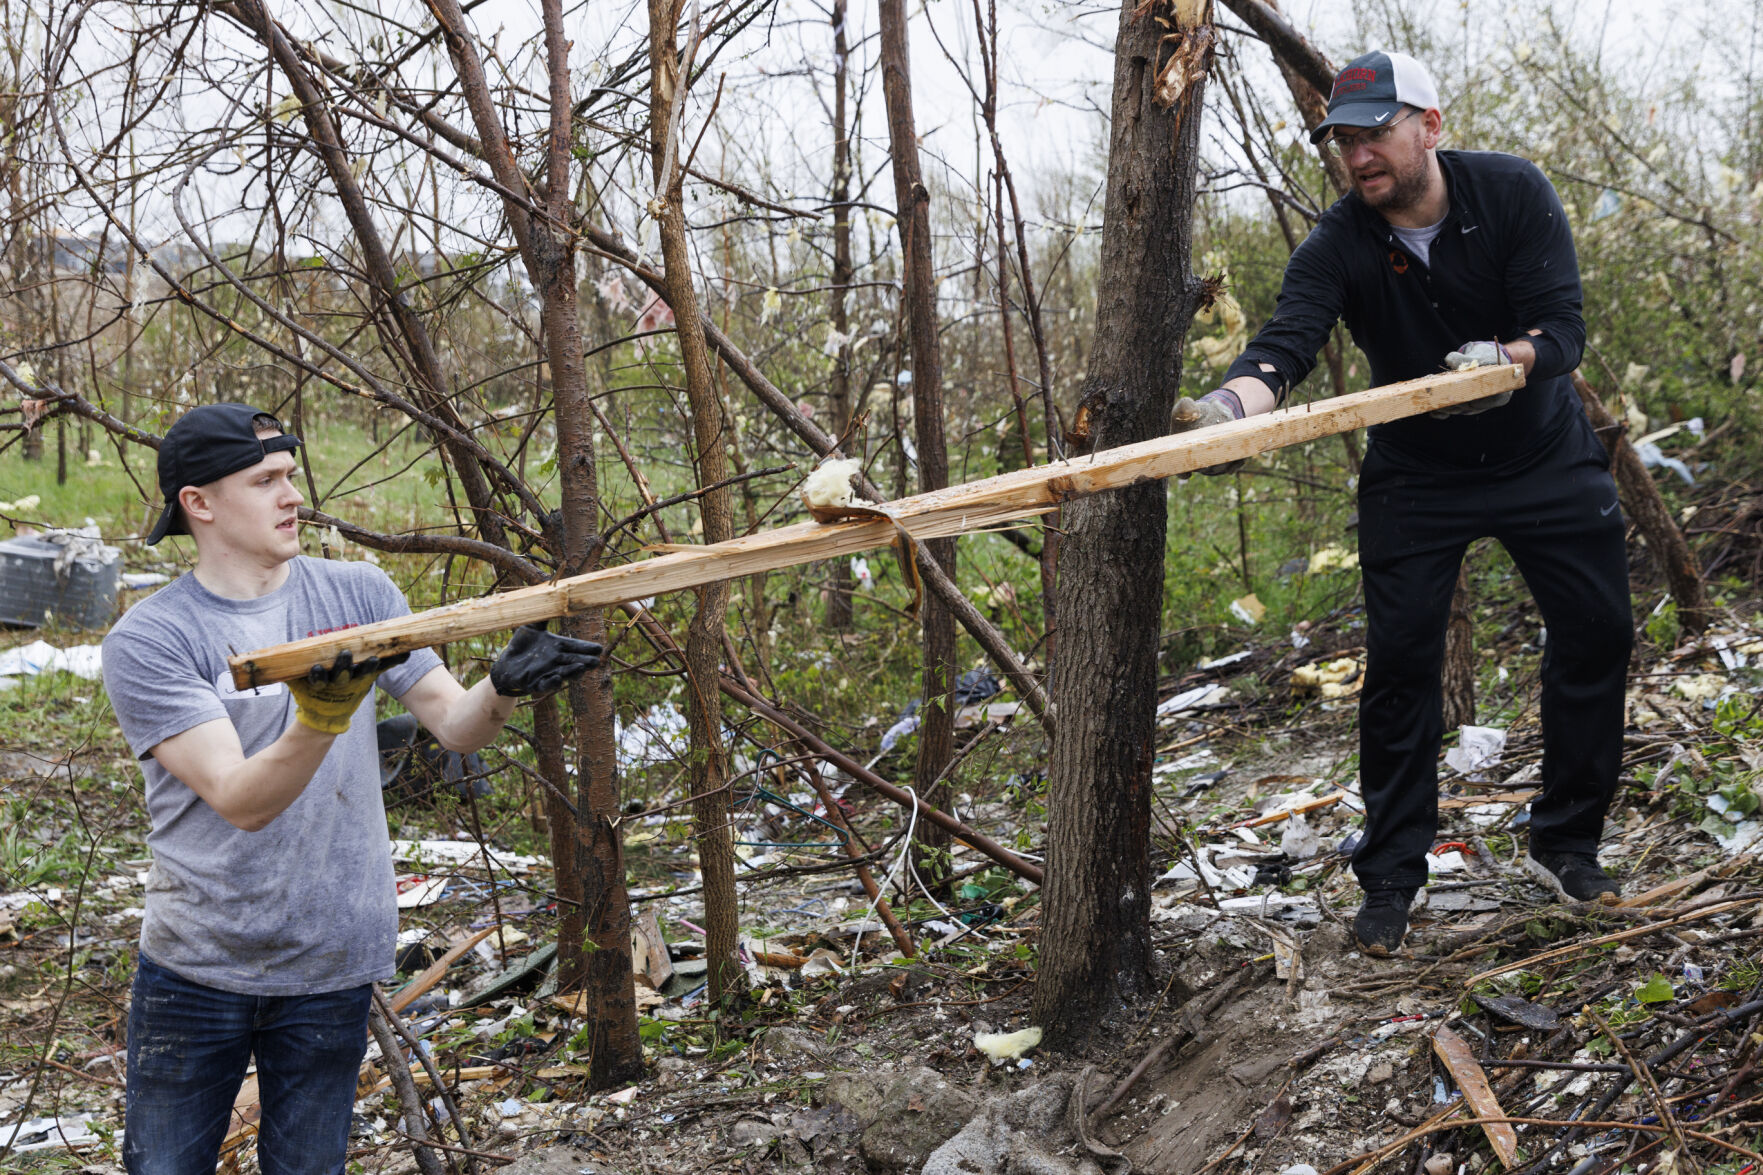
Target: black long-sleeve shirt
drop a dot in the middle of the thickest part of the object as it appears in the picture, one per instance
(1502, 265)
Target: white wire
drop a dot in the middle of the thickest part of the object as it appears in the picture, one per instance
(905, 850)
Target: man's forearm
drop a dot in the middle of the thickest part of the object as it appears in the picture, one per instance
(247, 793)
(262, 787)
(475, 719)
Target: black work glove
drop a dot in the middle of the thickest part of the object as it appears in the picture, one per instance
(539, 662)
(327, 697)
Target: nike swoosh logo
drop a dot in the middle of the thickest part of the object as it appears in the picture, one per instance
(1605, 512)
(1467, 229)
(1383, 116)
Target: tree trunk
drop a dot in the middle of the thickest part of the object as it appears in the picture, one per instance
(1646, 506)
(566, 842)
(838, 604)
(708, 769)
(1095, 949)
(615, 1049)
(1458, 675)
(936, 728)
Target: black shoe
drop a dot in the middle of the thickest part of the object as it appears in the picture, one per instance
(1382, 922)
(1575, 876)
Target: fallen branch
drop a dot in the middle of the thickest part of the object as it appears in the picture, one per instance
(412, 991)
(415, 1122)
(1635, 932)
(1447, 1120)
(748, 696)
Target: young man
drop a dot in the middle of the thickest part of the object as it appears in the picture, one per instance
(1432, 248)
(270, 909)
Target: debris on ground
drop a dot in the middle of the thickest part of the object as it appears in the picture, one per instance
(1601, 1036)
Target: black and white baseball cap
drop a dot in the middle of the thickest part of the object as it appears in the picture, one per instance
(206, 444)
(1373, 88)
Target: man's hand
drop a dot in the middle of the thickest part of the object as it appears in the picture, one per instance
(538, 662)
(1485, 353)
(1215, 407)
(327, 697)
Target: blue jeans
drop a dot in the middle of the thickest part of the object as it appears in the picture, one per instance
(188, 1049)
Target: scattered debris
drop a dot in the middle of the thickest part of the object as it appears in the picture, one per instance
(1006, 1046)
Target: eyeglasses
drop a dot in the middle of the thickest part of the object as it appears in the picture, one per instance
(1342, 146)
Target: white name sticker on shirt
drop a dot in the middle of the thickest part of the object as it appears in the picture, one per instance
(224, 686)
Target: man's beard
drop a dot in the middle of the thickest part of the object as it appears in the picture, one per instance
(1407, 188)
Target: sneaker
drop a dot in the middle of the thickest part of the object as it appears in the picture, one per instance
(1574, 876)
(1382, 921)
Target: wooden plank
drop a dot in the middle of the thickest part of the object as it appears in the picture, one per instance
(940, 513)
(414, 990)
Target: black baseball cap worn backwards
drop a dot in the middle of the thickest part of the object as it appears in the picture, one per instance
(1373, 88)
(206, 444)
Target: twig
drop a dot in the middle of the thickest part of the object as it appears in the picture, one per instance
(1244, 1136)
(1532, 960)
(415, 1123)
(1644, 1075)
(1448, 1121)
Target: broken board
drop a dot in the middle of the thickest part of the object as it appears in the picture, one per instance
(960, 509)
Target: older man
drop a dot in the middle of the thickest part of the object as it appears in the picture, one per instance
(270, 909)
(1442, 258)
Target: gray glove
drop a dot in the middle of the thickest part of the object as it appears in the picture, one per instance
(1215, 407)
(1486, 353)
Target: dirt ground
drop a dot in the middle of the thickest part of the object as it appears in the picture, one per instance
(1273, 1045)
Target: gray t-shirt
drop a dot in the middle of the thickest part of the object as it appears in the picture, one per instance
(1418, 241)
(306, 904)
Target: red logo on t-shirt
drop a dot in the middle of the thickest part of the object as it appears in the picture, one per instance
(1398, 261)
(338, 628)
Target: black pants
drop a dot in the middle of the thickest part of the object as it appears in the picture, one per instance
(1557, 517)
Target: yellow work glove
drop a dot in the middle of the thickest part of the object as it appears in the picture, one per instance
(327, 697)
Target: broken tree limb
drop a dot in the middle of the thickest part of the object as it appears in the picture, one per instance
(936, 514)
(1647, 508)
(978, 841)
(865, 878)
(410, 1102)
(748, 695)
